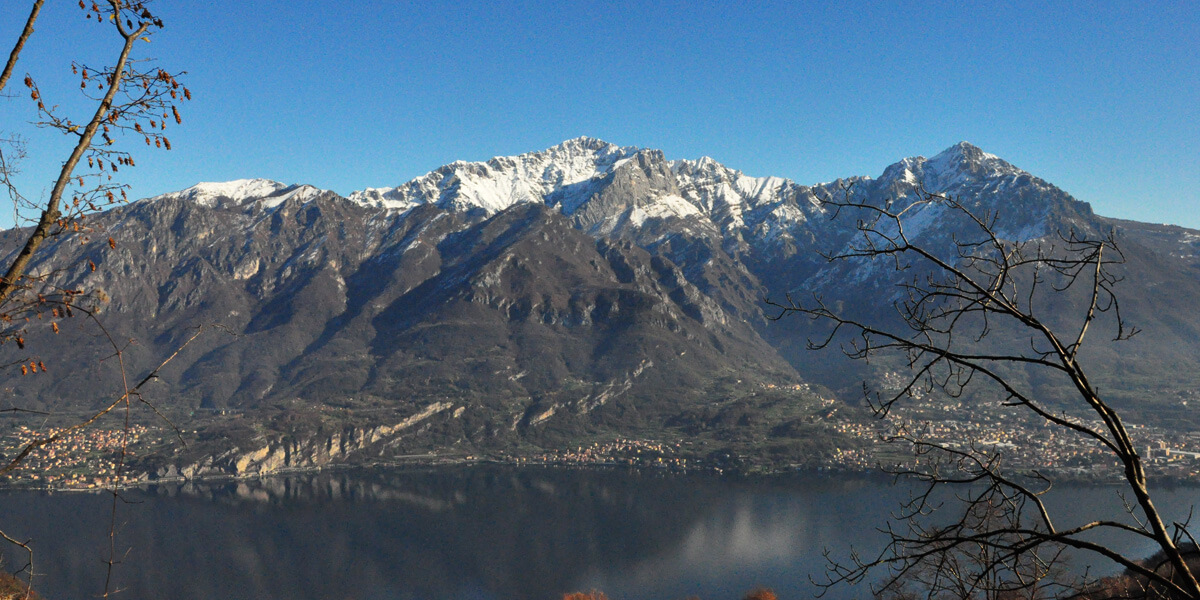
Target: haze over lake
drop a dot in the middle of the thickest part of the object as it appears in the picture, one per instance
(480, 532)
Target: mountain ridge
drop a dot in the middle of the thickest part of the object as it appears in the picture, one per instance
(586, 289)
(581, 159)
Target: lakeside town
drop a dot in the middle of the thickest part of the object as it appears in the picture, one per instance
(1023, 443)
(85, 459)
(93, 458)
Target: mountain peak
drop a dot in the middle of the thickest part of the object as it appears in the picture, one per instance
(504, 180)
(238, 190)
(584, 142)
(264, 192)
(703, 166)
(963, 152)
(957, 165)
(575, 149)
(965, 156)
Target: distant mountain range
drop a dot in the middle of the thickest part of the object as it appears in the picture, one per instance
(586, 286)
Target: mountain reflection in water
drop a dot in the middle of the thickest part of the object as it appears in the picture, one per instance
(474, 532)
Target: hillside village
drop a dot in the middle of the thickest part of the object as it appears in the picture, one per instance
(91, 458)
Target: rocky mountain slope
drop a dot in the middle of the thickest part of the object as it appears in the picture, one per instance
(532, 299)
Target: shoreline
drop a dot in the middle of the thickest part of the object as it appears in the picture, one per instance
(435, 462)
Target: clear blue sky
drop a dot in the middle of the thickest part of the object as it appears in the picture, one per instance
(1102, 99)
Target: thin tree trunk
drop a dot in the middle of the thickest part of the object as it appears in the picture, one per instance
(50, 214)
(16, 51)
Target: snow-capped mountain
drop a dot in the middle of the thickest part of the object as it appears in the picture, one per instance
(586, 284)
(240, 191)
(501, 182)
(572, 177)
(615, 190)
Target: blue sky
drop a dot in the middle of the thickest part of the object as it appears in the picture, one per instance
(1102, 99)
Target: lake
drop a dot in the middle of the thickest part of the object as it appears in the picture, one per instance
(485, 532)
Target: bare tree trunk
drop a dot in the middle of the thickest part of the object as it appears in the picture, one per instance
(51, 214)
(16, 51)
(127, 100)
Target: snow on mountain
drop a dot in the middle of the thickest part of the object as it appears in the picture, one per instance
(1018, 205)
(436, 304)
(953, 170)
(302, 193)
(571, 176)
(617, 190)
(716, 187)
(963, 163)
(980, 179)
(667, 206)
(264, 193)
(740, 205)
(505, 180)
(238, 190)
(773, 210)
(385, 198)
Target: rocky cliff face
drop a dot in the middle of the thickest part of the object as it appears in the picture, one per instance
(584, 287)
(312, 450)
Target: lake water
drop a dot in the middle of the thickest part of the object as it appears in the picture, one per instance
(485, 532)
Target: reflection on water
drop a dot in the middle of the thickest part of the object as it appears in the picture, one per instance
(478, 532)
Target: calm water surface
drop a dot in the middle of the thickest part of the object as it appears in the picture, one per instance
(474, 532)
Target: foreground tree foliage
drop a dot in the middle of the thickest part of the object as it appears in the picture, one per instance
(971, 313)
(592, 595)
(129, 101)
(758, 593)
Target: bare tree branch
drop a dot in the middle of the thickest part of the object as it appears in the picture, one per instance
(956, 296)
(17, 47)
(128, 99)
